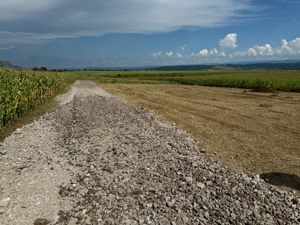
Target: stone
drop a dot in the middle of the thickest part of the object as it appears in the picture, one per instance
(206, 215)
(184, 219)
(3, 151)
(295, 201)
(40, 221)
(149, 205)
(189, 179)
(4, 202)
(171, 203)
(209, 183)
(200, 185)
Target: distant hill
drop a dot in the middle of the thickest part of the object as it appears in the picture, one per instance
(255, 66)
(7, 64)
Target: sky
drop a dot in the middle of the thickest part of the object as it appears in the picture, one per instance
(62, 34)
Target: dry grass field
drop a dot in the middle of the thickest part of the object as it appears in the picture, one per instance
(256, 132)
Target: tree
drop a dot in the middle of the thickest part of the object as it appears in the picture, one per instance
(43, 69)
(35, 69)
(85, 69)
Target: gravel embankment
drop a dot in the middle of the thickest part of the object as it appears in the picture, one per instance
(98, 160)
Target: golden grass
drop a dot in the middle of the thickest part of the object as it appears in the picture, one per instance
(256, 131)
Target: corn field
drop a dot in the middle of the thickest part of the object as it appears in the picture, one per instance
(21, 91)
(274, 84)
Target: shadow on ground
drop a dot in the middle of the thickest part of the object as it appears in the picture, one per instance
(282, 179)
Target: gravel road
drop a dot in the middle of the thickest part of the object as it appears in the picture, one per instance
(98, 160)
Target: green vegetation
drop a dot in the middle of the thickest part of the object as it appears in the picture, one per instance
(39, 69)
(274, 84)
(275, 80)
(22, 91)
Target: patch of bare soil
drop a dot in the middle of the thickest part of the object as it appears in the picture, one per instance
(262, 89)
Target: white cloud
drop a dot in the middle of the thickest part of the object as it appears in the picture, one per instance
(289, 48)
(228, 43)
(155, 55)
(169, 53)
(214, 52)
(192, 55)
(204, 52)
(252, 52)
(10, 38)
(295, 45)
(8, 48)
(249, 52)
(264, 50)
(179, 55)
(223, 54)
(183, 47)
(118, 16)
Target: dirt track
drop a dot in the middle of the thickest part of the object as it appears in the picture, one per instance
(98, 160)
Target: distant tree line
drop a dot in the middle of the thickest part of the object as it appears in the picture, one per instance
(85, 70)
(39, 69)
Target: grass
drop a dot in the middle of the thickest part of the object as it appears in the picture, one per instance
(289, 75)
(274, 84)
(288, 81)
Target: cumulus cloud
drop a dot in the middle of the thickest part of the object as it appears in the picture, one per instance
(214, 52)
(264, 50)
(249, 52)
(179, 55)
(222, 54)
(169, 53)
(228, 43)
(67, 19)
(204, 52)
(289, 48)
(155, 55)
(295, 45)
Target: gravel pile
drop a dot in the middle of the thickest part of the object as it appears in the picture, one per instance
(98, 160)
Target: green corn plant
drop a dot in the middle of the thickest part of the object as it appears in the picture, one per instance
(21, 91)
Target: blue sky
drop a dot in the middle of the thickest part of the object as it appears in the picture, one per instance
(78, 34)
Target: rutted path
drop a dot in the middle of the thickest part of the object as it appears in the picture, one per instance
(98, 160)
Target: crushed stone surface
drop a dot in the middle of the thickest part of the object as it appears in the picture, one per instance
(99, 160)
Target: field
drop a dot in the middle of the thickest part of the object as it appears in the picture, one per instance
(255, 131)
(243, 129)
(275, 80)
(22, 91)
